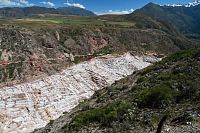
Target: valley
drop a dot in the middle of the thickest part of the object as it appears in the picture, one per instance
(32, 105)
(69, 70)
(166, 91)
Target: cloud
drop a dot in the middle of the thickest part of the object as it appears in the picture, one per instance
(115, 12)
(48, 3)
(75, 5)
(4, 3)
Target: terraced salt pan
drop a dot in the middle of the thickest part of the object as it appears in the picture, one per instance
(32, 105)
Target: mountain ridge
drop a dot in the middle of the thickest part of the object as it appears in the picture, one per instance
(15, 12)
(194, 3)
(185, 19)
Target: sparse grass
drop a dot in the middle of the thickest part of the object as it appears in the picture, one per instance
(158, 96)
(183, 55)
(104, 115)
(103, 51)
(173, 80)
(122, 24)
(169, 87)
(43, 20)
(79, 59)
(7, 73)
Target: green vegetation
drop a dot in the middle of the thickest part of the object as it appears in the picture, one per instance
(121, 24)
(103, 51)
(57, 21)
(79, 59)
(9, 72)
(67, 21)
(168, 87)
(158, 96)
(173, 80)
(104, 115)
(183, 55)
(100, 52)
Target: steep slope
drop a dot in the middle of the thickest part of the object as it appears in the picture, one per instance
(28, 53)
(185, 19)
(19, 12)
(167, 90)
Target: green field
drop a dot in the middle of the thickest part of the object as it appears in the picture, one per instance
(54, 21)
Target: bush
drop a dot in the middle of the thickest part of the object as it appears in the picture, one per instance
(156, 97)
(104, 115)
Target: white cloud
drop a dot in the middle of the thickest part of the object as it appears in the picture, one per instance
(75, 5)
(15, 3)
(7, 3)
(48, 3)
(131, 10)
(115, 12)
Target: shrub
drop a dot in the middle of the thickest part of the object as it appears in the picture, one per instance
(104, 115)
(156, 97)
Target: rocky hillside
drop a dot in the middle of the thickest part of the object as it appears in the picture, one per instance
(43, 73)
(163, 95)
(185, 19)
(20, 12)
(31, 49)
(40, 71)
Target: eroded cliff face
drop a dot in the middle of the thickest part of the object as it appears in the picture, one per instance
(32, 105)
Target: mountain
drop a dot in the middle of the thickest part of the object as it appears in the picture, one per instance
(165, 93)
(75, 11)
(17, 12)
(185, 19)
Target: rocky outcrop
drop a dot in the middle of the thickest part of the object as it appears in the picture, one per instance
(32, 105)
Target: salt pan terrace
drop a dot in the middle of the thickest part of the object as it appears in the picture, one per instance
(32, 105)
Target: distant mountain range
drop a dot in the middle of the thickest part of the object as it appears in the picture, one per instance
(185, 19)
(195, 3)
(17, 12)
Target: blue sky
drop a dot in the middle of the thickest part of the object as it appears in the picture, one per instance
(97, 6)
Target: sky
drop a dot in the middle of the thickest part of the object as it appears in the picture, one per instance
(97, 6)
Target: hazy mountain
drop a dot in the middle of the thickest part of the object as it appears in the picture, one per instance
(75, 11)
(17, 12)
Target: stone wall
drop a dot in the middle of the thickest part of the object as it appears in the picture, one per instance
(32, 105)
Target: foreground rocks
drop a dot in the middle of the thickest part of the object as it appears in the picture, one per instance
(32, 105)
